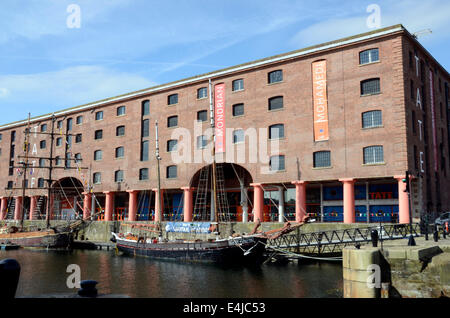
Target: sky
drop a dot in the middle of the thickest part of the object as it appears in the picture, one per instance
(54, 55)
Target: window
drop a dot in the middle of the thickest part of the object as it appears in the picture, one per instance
(238, 85)
(202, 93)
(10, 184)
(97, 178)
(98, 134)
(68, 162)
(172, 121)
(144, 150)
(69, 124)
(145, 128)
(145, 108)
(373, 154)
(78, 138)
(322, 159)
(277, 163)
(238, 110)
(120, 152)
(78, 158)
(120, 131)
(41, 183)
(171, 172)
(413, 122)
(275, 77)
(143, 174)
(99, 115)
(238, 136)
(43, 127)
(276, 103)
(172, 99)
(1, 136)
(369, 56)
(41, 162)
(202, 115)
(201, 142)
(120, 110)
(58, 161)
(98, 154)
(42, 144)
(276, 131)
(79, 120)
(59, 124)
(372, 119)
(172, 145)
(370, 86)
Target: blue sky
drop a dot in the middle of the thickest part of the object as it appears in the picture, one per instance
(127, 45)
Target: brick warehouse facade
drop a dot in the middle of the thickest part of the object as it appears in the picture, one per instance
(386, 110)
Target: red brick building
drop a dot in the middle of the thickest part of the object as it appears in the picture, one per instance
(328, 131)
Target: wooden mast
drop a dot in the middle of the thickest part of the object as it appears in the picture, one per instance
(25, 166)
(49, 181)
(214, 187)
(158, 158)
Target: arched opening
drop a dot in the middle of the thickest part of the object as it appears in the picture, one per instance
(67, 196)
(232, 198)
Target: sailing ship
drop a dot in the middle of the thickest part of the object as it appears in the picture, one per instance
(237, 249)
(50, 237)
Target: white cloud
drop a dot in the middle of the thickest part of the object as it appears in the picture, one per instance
(3, 92)
(68, 87)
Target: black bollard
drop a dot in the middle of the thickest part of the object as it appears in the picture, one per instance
(436, 236)
(88, 288)
(374, 237)
(9, 278)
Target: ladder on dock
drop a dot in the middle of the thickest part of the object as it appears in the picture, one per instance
(10, 209)
(201, 200)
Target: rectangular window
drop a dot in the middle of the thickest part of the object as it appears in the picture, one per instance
(373, 154)
(99, 115)
(371, 86)
(277, 163)
(98, 134)
(145, 108)
(118, 176)
(171, 172)
(172, 99)
(202, 115)
(369, 56)
(59, 124)
(120, 152)
(372, 119)
(172, 145)
(172, 121)
(276, 103)
(202, 93)
(238, 136)
(275, 77)
(144, 150)
(238, 85)
(43, 127)
(42, 144)
(322, 159)
(145, 128)
(120, 110)
(143, 174)
(79, 120)
(78, 138)
(201, 142)
(120, 131)
(97, 178)
(276, 131)
(98, 154)
(238, 110)
(69, 124)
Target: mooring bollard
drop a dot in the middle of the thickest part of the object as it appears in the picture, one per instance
(436, 236)
(9, 278)
(374, 236)
(88, 288)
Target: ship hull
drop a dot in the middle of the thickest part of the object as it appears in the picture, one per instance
(219, 252)
(37, 240)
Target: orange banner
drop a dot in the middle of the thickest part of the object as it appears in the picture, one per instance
(320, 102)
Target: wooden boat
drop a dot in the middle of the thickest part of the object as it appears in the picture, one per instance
(233, 250)
(48, 238)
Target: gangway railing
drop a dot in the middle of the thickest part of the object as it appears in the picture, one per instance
(325, 242)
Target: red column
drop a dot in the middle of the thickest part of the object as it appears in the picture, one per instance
(109, 205)
(87, 203)
(159, 210)
(132, 204)
(403, 201)
(258, 202)
(18, 208)
(300, 200)
(349, 200)
(188, 207)
(4, 204)
(33, 204)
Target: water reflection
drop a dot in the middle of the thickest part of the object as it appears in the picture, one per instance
(44, 272)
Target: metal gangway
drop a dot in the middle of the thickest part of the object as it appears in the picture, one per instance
(331, 243)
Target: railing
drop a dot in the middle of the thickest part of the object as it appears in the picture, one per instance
(325, 242)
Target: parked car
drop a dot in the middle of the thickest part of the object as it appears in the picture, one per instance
(445, 217)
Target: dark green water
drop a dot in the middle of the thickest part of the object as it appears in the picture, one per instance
(44, 273)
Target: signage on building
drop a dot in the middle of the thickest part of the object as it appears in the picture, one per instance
(433, 121)
(219, 117)
(320, 102)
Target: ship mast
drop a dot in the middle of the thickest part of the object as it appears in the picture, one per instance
(26, 148)
(158, 159)
(52, 138)
(214, 183)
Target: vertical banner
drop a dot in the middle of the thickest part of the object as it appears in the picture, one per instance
(320, 102)
(219, 117)
(433, 121)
